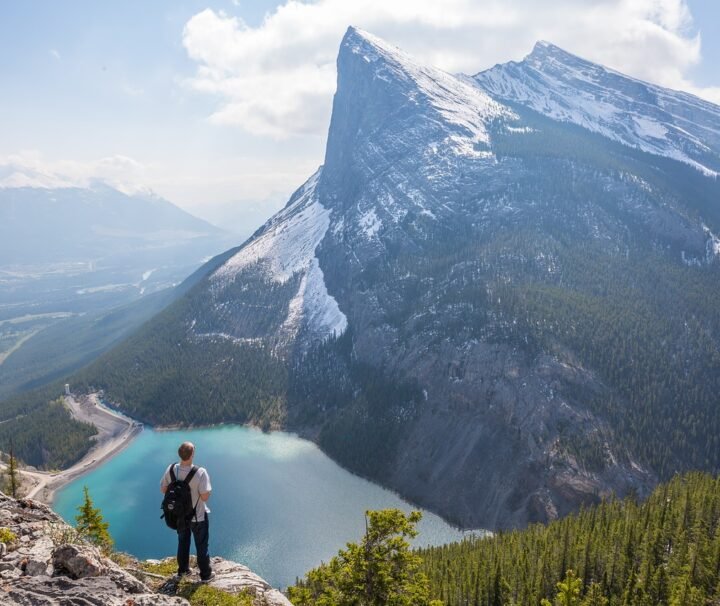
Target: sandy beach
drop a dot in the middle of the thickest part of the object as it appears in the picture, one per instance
(115, 432)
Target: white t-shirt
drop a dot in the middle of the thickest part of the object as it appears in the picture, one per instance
(200, 484)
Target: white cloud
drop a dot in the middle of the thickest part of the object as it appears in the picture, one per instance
(31, 169)
(277, 78)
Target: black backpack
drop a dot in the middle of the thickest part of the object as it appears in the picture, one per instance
(177, 503)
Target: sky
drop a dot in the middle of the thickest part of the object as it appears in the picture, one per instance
(222, 106)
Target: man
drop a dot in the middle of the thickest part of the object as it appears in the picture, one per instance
(200, 489)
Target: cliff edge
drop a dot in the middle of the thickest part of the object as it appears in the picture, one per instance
(42, 562)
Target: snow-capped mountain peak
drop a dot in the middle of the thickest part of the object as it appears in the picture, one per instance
(458, 102)
(645, 116)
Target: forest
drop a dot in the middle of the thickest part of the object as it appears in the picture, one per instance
(664, 551)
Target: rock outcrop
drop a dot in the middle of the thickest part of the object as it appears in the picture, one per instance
(42, 562)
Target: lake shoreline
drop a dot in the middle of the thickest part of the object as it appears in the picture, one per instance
(108, 449)
(115, 433)
(279, 504)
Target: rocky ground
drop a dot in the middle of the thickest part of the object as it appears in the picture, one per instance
(42, 562)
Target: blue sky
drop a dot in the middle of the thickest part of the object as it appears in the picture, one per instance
(706, 14)
(222, 107)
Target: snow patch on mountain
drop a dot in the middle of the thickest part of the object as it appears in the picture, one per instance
(313, 303)
(370, 223)
(286, 246)
(713, 244)
(649, 129)
(287, 242)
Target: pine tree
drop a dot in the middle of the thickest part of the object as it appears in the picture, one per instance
(12, 481)
(595, 596)
(568, 591)
(379, 571)
(90, 523)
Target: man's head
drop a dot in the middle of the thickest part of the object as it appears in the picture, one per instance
(186, 451)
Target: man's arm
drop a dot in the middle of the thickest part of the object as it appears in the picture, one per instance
(205, 488)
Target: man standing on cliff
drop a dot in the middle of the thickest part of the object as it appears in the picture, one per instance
(200, 489)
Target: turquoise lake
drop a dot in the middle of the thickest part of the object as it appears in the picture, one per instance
(279, 505)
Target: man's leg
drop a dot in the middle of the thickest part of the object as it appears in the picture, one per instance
(183, 551)
(201, 534)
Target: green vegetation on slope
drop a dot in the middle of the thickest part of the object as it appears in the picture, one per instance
(42, 432)
(160, 376)
(379, 571)
(71, 343)
(663, 552)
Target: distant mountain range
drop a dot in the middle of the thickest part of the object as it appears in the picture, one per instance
(97, 225)
(73, 259)
(497, 295)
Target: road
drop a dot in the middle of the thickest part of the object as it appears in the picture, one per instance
(114, 433)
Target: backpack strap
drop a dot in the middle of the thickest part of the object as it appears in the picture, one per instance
(191, 475)
(172, 472)
(188, 477)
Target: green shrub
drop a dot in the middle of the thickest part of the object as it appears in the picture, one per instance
(7, 536)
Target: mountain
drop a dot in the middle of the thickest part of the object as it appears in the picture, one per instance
(499, 314)
(564, 87)
(40, 225)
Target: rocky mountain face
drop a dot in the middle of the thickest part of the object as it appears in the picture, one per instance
(500, 310)
(39, 566)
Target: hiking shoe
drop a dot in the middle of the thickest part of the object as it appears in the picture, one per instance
(180, 575)
(208, 579)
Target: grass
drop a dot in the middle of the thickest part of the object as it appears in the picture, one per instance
(166, 567)
(205, 595)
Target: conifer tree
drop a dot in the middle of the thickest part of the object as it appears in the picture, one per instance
(12, 481)
(379, 571)
(569, 590)
(674, 559)
(595, 596)
(90, 523)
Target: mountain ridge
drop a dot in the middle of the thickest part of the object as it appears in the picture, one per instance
(671, 123)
